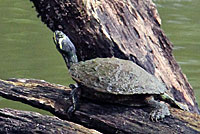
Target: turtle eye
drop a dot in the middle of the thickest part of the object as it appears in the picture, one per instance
(60, 36)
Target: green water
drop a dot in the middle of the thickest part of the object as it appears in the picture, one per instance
(181, 23)
(27, 49)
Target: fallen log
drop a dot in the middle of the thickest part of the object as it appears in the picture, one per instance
(105, 118)
(127, 29)
(23, 122)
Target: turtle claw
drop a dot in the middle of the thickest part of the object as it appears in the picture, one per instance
(160, 113)
(74, 99)
(70, 111)
(156, 115)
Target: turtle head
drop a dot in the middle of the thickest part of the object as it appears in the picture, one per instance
(65, 47)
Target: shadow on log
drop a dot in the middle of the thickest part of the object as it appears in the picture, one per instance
(127, 29)
(105, 118)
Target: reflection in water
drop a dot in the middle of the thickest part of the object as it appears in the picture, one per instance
(27, 49)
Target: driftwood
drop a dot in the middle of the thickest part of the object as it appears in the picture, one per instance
(106, 118)
(128, 29)
(23, 122)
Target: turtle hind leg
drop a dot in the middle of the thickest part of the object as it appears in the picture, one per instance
(165, 97)
(160, 110)
(74, 97)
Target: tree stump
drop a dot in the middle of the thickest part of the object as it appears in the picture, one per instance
(124, 29)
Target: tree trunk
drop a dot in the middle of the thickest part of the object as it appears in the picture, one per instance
(105, 118)
(127, 29)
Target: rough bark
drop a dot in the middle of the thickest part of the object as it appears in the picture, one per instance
(105, 118)
(23, 122)
(127, 29)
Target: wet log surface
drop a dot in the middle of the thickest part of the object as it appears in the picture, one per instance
(127, 29)
(105, 118)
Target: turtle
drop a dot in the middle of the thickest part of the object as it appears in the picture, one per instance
(114, 80)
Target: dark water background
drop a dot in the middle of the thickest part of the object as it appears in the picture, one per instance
(27, 49)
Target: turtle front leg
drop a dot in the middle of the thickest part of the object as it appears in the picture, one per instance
(160, 110)
(74, 96)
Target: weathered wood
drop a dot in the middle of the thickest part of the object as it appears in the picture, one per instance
(23, 122)
(127, 29)
(106, 118)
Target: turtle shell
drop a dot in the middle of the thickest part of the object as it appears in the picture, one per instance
(115, 76)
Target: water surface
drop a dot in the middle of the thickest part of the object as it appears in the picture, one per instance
(27, 49)
(181, 23)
